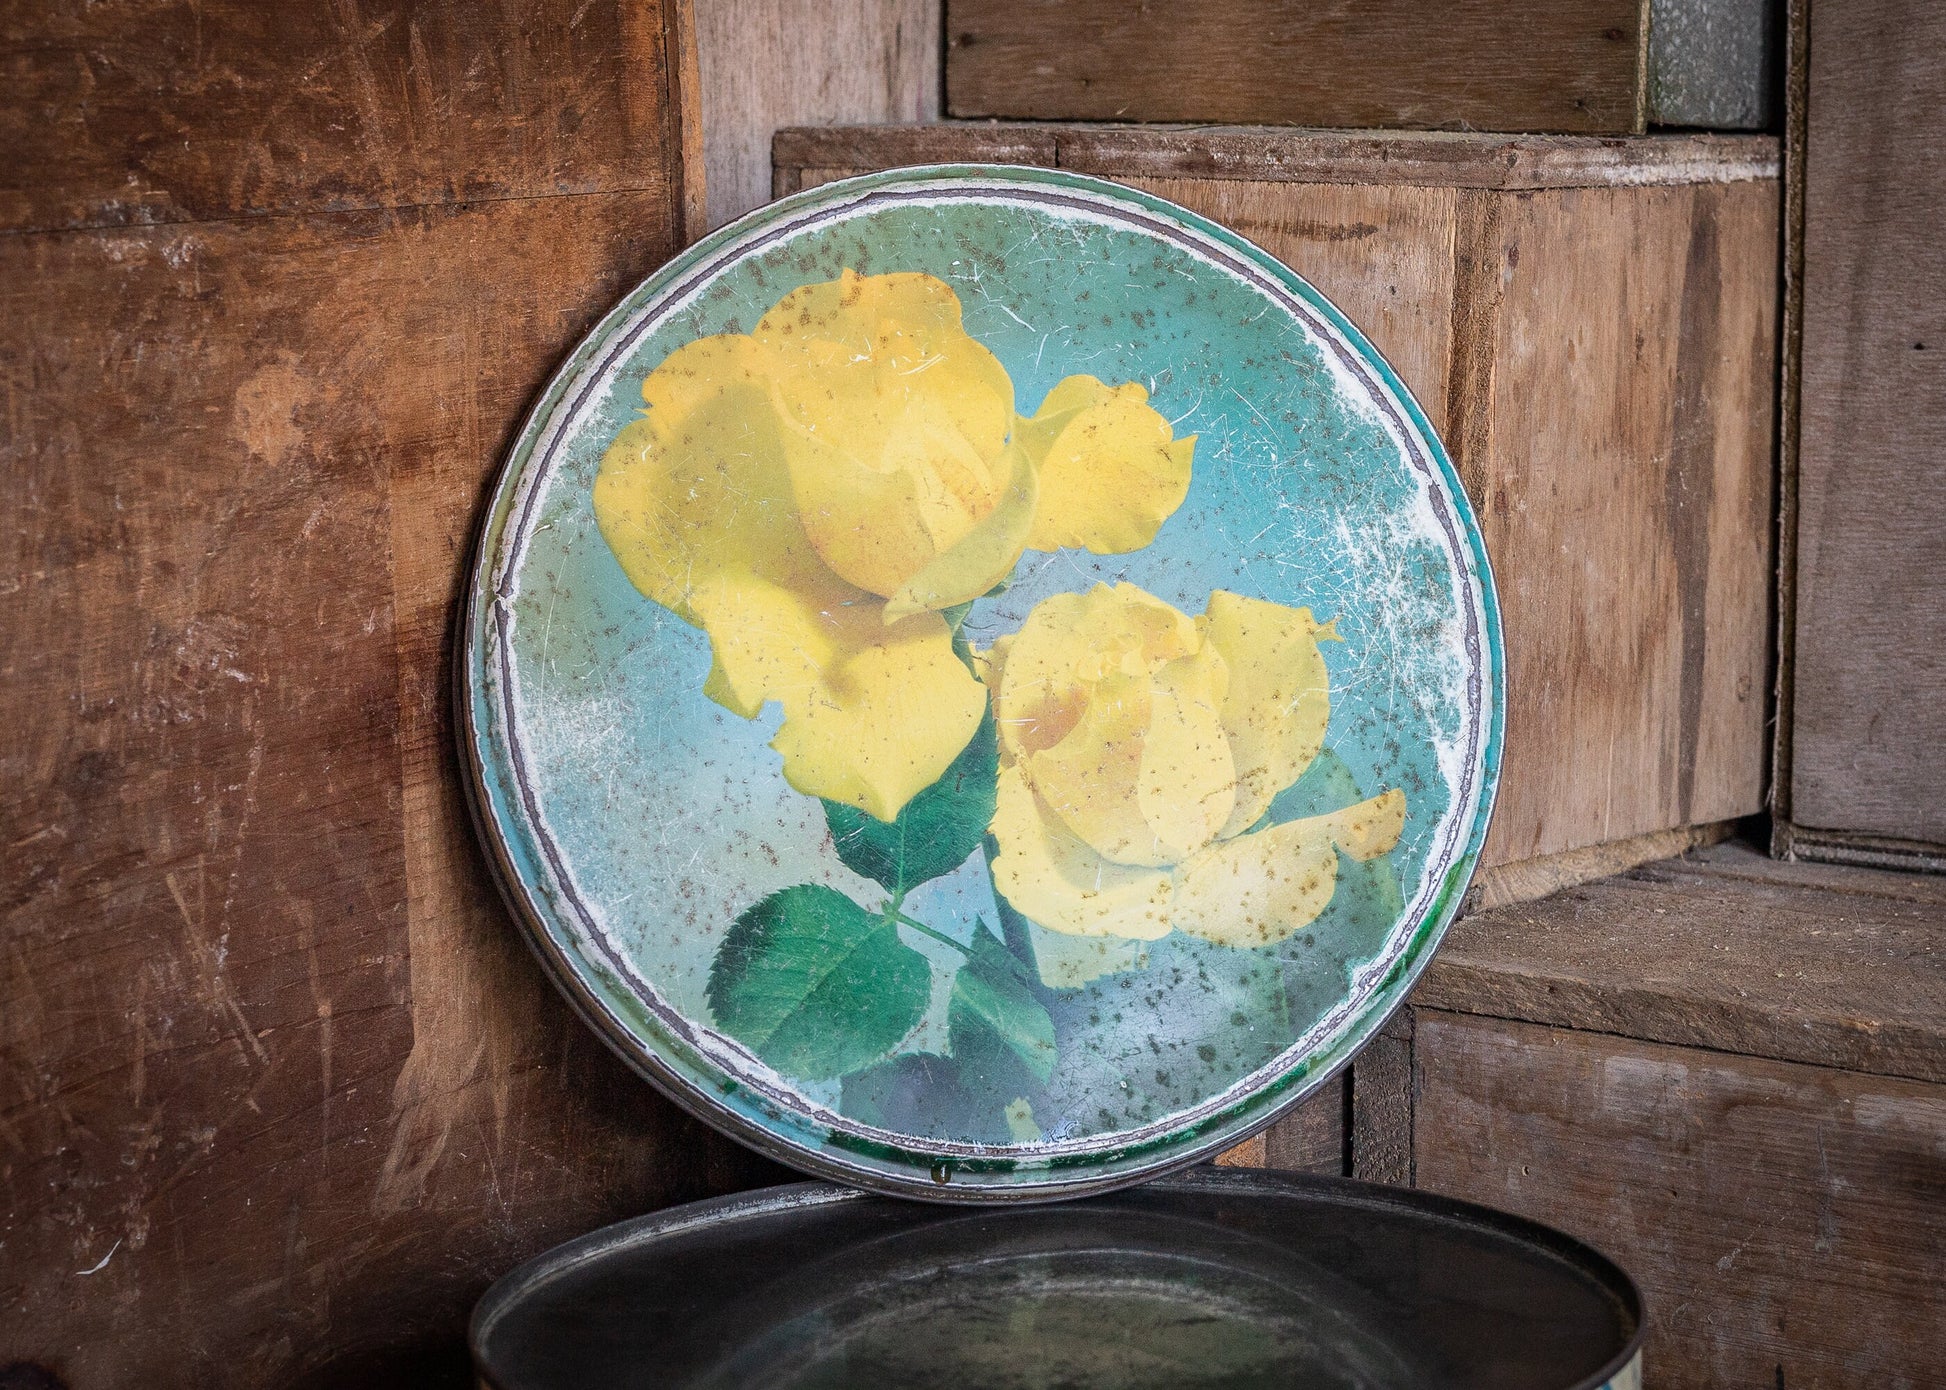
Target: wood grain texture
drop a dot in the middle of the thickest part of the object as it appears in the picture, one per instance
(132, 112)
(1599, 360)
(1787, 1224)
(1533, 65)
(1870, 619)
(1381, 1105)
(1718, 951)
(772, 63)
(1622, 357)
(1405, 158)
(270, 1046)
(280, 1089)
(1256, 154)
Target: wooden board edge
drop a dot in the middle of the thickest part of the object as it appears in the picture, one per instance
(1527, 880)
(1790, 346)
(1274, 154)
(686, 86)
(1790, 841)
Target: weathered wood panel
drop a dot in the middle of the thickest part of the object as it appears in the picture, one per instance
(1712, 952)
(1787, 1223)
(1536, 65)
(1618, 347)
(772, 63)
(1598, 354)
(131, 112)
(280, 1090)
(1870, 617)
(273, 1058)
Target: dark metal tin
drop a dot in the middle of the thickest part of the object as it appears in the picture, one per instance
(1208, 1278)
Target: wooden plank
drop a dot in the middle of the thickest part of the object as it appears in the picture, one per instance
(1785, 1222)
(1535, 65)
(1790, 351)
(1255, 154)
(1381, 1105)
(1526, 880)
(1867, 723)
(1434, 159)
(1626, 506)
(839, 151)
(1311, 1139)
(1711, 954)
(130, 112)
(1736, 861)
(1622, 344)
(772, 63)
(267, 1046)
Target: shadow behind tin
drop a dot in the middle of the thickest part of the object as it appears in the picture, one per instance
(1209, 1278)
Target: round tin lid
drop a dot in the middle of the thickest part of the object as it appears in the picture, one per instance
(981, 683)
(1211, 1278)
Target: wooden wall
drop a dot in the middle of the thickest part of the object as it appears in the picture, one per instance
(766, 64)
(1861, 774)
(1728, 1073)
(280, 1091)
(1591, 327)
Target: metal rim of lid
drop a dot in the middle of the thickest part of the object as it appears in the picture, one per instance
(512, 1288)
(914, 1172)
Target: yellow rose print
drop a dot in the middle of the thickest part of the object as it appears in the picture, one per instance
(1138, 746)
(812, 494)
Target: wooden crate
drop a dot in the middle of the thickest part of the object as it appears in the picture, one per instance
(1862, 590)
(1589, 324)
(1535, 65)
(1729, 1074)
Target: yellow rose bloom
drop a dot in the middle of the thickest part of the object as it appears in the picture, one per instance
(812, 493)
(1138, 746)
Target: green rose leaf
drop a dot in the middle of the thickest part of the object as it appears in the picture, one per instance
(815, 985)
(994, 1018)
(937, 829)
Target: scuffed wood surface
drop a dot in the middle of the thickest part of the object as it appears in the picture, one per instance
(772, 63)
(1787, 1223)
(1616, 348)
(128, 112)
(1534, 65)
(280, 1089)
(1724, 950)
(1870, 620)
(1600, 362)
(1381, 1105)
(270, 1046)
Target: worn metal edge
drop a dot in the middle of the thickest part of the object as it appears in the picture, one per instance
(1578, 1255)
(1295, 154)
